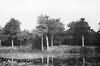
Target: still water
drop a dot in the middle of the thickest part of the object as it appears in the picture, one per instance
(52, 61)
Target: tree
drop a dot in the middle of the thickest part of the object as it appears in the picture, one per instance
(54, 26)
(24, 37)
(79, 28)
(42, 30)
(64, 38)
(98, 32)
(50, 26)
(11, 29)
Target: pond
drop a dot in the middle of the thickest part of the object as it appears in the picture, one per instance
(52, 61)
(56, 58)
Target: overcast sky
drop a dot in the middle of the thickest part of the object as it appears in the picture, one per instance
(27, 11)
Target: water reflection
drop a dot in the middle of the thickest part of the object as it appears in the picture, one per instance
(74, 58)
(52, 61)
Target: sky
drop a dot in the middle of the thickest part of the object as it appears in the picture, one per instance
(27, 11)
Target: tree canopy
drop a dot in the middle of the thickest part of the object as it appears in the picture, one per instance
(53, 30)
(12, 27)
(79, 28)
(10, 30)
(50, 26)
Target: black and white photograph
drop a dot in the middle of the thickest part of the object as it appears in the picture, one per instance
(49, 32)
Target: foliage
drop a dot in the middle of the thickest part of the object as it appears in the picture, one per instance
(54, 30)
(73, 36)
(80, 28)
(50, 27)
(12, 27)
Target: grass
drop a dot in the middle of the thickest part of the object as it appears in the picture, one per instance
(16, 52)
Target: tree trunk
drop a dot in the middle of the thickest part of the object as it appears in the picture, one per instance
(82, 40)
(12, 42)
(47, 41)
(42, 43)
(83, 45)
(52, 36)
(0, 43)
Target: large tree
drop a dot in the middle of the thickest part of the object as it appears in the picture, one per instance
(54, 26)
(11, 28)
(50, 26)
(81, 28)
(42, 30)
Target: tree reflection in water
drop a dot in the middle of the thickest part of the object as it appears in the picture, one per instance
(90, 61)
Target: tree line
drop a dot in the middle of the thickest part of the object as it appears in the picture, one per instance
(49, 32)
